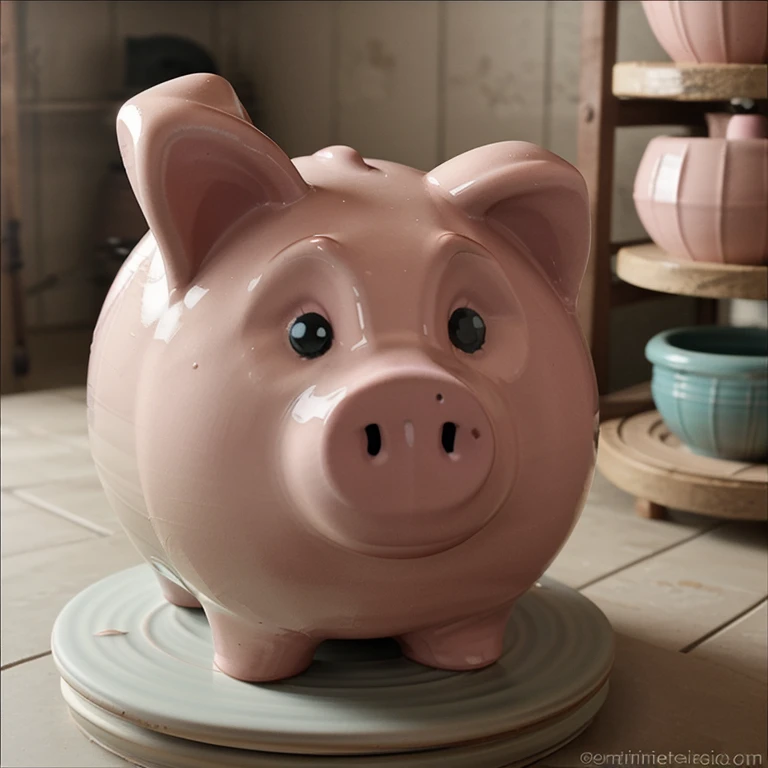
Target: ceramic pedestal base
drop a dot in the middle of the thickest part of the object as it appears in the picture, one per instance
(139, 680)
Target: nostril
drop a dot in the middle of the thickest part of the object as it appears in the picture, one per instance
(373, 434)
(448, 437)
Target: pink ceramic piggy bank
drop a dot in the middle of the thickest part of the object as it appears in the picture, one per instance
(342, 398)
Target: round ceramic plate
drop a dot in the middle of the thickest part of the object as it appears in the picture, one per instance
(141, 669)
(150, 749)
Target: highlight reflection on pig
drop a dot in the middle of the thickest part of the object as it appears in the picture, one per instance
(342, 398)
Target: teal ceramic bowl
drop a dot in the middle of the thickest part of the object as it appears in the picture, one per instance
(710, 385)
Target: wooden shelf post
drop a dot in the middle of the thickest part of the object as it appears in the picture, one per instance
(598, 115)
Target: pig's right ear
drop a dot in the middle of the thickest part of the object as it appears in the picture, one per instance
(196, 165)
(529, 195)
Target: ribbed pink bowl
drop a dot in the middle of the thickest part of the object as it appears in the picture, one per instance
(706, 199)
(711, 31)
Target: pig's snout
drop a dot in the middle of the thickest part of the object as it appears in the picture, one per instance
(408, 442)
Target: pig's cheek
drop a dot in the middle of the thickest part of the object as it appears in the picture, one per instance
(504, 355)
(275, 369)
(501, 405)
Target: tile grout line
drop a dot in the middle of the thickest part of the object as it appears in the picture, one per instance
(649, 556)
(12, 664)
(13, 556)
(53, 436)
(54, 510)
(722, 627)
(62, 545)
(74, 475)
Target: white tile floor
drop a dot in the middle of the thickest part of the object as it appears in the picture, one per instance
(687, 598)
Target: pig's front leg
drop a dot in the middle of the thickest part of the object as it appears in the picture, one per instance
(472, 643)
(256, 653)
(176, 594)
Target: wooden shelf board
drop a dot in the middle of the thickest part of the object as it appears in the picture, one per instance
(690, 82)
(640, 456)
(647, 266)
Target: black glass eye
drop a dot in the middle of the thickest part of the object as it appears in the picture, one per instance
(310, 335)
(466, 330)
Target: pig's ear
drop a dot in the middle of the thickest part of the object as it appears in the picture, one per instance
(532, 196)
(197, 164)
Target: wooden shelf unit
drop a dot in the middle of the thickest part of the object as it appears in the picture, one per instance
(637, 452)
(601, 114)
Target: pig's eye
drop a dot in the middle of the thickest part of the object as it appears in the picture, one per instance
(466, 330)
(310, 335)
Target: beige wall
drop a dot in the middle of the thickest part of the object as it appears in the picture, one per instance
(414, 82)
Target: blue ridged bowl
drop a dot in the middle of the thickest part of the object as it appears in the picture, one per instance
(710, 385)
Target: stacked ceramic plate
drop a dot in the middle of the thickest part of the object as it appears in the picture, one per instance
(138, 677)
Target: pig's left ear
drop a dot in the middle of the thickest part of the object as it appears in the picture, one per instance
(197, 164)
(531, 196)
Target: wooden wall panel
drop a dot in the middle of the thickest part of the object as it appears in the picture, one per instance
(197, 21)
(288, 49)
(226, 34)
(67, 50)
(562, 90)
(75, 151)
(29, 162)
(495, 59)
(66, 54)
(388, 85)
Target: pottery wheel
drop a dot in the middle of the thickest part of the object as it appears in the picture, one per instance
(138, 676)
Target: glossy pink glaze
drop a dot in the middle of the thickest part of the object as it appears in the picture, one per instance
(706, 199)
(241, 470)
(711, 31)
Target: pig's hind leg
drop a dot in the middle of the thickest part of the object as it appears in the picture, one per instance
(176, 594)
(255, 653)
(472, 643)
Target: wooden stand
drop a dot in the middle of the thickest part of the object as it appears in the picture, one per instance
(650, 510)
(639, 455)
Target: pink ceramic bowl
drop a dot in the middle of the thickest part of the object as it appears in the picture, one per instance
(711, 31)
(706, 199)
